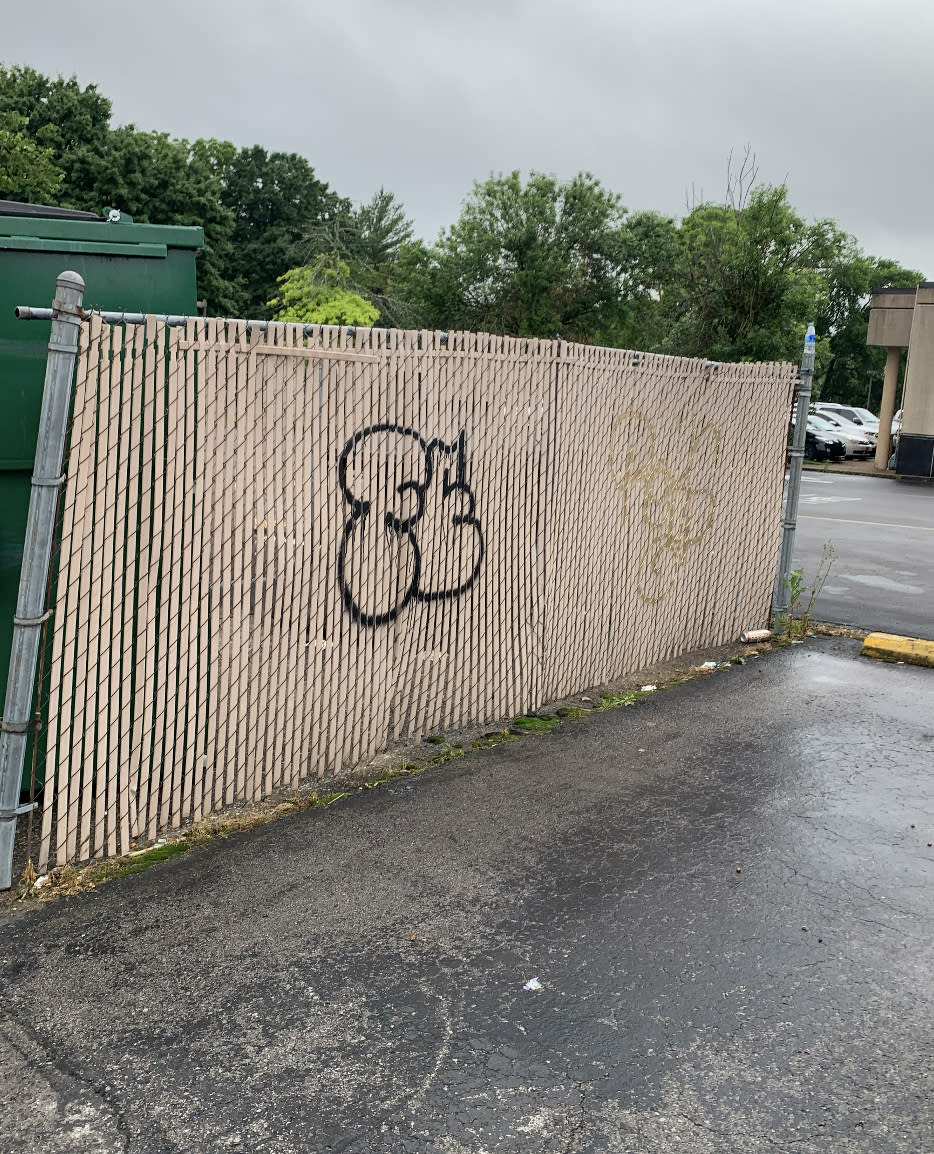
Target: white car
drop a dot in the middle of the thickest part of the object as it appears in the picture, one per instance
(858, 443)
(867, 421)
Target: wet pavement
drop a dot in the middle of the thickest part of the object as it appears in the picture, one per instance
(883, 533)
(724, 892)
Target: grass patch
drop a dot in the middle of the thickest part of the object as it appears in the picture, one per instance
(614, 700)
(139, 864)
(448, 753)
(544, 723)
(571, 712)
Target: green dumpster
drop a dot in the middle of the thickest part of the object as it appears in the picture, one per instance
(126, 267)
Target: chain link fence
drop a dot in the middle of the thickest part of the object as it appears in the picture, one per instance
(283, 549)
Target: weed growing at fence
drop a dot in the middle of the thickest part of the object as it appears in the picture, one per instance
(448, 753)
(794, 624)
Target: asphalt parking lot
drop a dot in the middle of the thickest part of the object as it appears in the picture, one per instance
(882, 531)
(702, 922)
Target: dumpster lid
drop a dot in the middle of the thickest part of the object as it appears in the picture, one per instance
(20, 208)
(86, 227)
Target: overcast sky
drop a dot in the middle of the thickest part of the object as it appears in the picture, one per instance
(426, 96)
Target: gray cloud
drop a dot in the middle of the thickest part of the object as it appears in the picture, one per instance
(426, 96)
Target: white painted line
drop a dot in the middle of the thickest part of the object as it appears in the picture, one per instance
(813, 499)
(878, 524)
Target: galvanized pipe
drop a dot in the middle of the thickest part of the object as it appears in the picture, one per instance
(781, 598)
(66, 314)
(171, 320)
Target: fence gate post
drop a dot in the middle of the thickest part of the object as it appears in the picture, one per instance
(781, 596)
(34, 575)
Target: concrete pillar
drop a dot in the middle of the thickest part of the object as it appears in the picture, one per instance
(887, 408)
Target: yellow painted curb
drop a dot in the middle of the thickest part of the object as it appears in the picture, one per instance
(891, 647)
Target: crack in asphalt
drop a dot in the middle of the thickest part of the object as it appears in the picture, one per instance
(68, 1071)
(576, 1128)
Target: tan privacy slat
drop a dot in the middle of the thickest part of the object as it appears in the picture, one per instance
(231, 622)
(97, 697)
(226, 705)
(289, 464)
(206, 457)
(62, 664)
(126, 570)
(189, 565)
(81, 485)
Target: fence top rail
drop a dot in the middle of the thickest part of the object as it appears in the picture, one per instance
(171, 320)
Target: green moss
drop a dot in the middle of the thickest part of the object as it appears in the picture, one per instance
(544, 723)
(139, 864)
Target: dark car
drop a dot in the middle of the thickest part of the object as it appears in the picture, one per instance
(820, 441)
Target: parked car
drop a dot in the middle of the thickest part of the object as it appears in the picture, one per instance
(858, 443)
(852, 413)
(821, 443)
(897, 423)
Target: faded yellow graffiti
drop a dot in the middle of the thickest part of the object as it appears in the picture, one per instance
(676, 506)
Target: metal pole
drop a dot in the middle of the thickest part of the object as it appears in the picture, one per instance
(37, 553)
(781, 598)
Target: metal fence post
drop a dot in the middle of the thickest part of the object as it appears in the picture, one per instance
(34, 575)
(781, 598)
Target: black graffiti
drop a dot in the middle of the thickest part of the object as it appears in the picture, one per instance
(407, 538)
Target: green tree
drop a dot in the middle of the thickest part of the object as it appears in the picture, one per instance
(381, 228)
(28, 171)
(159, 180)
(649, 261)
(749, 277)
(317, 295)
(274, 199)
(148, 175)
(369, 240)
(539, 258)
(60, 116)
